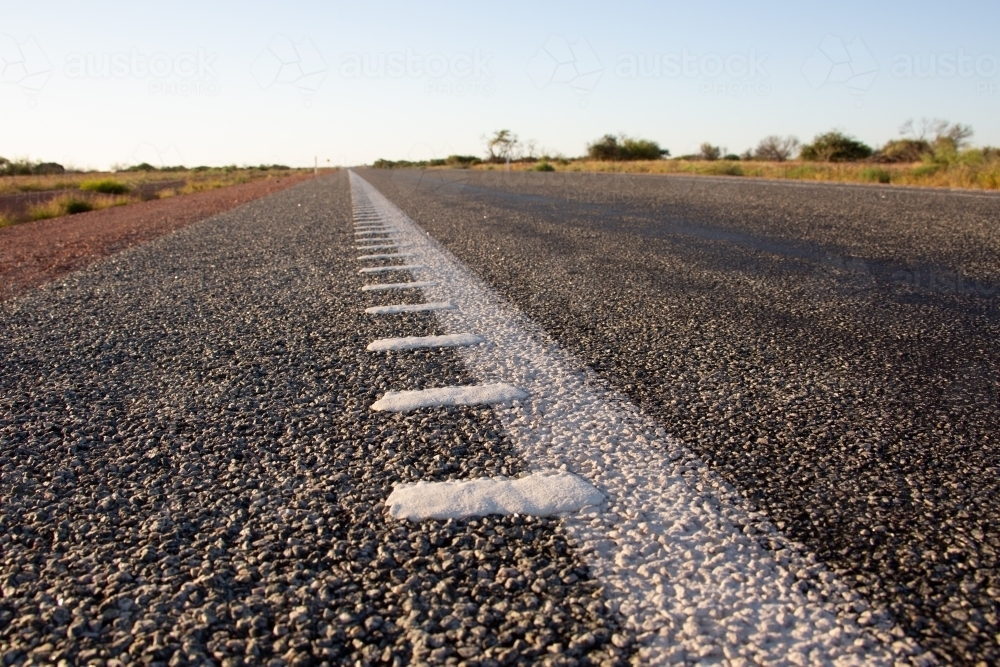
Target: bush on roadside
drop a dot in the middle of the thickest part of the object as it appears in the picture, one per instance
(876, 174)
(54, 208)
(610, 148)
(835, 146)
(106, 186)
(904, 150)
(544, 166)
(74, 206)
(462, 161)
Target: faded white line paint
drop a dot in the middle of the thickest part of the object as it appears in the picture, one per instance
(388, 269)
(541, 494)
(696, 574)
(479, 394)
(418, 342)
(383, 246)
(420, 284)
(409, 308)
(385, 256)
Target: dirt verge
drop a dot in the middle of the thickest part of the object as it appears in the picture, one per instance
(34, 253)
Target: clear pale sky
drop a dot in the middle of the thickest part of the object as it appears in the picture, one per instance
(94, 84)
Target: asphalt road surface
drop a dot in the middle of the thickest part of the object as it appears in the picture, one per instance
(192, 469)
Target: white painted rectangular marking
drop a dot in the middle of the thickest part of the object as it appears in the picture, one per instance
(388, 269)
(418, 342)
(409, 308)
(540, 494)
(383, 246)
(420, 284)
(394, 256)
(480, 394)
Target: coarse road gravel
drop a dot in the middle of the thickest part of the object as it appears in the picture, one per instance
(830, 350)
(191, 471)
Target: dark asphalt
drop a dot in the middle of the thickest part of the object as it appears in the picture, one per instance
(191, 472)
(831, 350)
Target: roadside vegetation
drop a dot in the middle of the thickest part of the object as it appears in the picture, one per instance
(932, 153)
(39, 190)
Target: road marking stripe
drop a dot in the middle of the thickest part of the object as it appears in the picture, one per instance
(384, 256)
(479, 394)
(381, 287)
(694, 571)
(387, 269)
(540, 494)
(418, 342)
(383, 246)
(380, 232)
(409, 308)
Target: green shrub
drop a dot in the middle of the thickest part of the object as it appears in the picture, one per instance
(462, 160)
(835, 146)
(876, 174)
(73, 206)
(723, 168)
(106, 186)
(612, 148)
(544, 166)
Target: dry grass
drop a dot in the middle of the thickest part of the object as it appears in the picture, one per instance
(70, 204)
(971, 174)
(12, 184)
(90, 191)
(211, 181)
(198, 180)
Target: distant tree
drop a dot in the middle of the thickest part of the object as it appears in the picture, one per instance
(530, 149)
(502, 146)
(22, 167)
(835, 146)
(948, 138)
(610, 148)
(606, 149)
(50, 168)
(709, 152)
(642, 149)
(957, 133)
(776, 149)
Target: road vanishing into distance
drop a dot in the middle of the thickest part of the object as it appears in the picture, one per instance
(617, 419)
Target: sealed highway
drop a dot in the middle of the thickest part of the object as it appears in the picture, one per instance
(767, 411)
